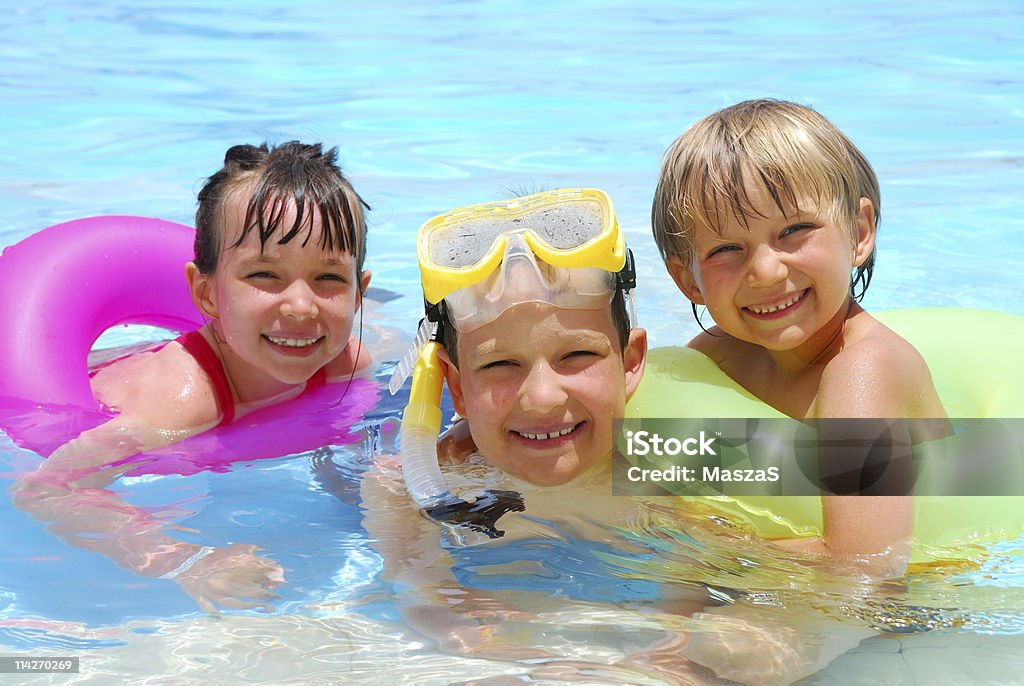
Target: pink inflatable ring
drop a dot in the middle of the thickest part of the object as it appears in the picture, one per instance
(64, 286)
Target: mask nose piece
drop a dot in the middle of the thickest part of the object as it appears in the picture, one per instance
(521, 278)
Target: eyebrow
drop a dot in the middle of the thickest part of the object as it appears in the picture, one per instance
(493, 346)
(796, 215)
(589, 335)
(488, 347)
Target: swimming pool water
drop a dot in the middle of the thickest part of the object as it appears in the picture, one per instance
(124, 108)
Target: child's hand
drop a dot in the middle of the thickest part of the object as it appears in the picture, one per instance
(234, 578)
(643, 668)
(744, 651)
(473, 633)
(456, 444)
(765, 646)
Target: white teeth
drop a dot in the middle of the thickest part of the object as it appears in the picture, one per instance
(776, 308)
(293, 342)
(542, 437)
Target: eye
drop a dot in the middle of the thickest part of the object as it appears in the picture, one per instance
(722, 249)
(497, 364)
(790, 230)
(332, 277)
(581, 354)
(261, 275)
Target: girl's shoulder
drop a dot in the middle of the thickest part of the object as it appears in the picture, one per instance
(164, 388)
(353, 359)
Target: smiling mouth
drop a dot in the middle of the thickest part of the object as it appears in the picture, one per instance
(779, 307)
(549, 435)
(293, 342)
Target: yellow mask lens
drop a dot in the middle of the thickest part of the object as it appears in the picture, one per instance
(571, 228)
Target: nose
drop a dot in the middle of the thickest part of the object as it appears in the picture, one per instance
(299, 302)
(542, 390)
(766, 266)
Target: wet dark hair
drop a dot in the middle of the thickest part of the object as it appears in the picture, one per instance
(279, 175)
(620, 318)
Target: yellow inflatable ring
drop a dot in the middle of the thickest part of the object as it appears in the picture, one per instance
(978, 371)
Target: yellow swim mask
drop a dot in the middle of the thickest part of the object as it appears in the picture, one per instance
(571, 227)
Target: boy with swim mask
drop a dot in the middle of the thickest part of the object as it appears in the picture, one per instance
(527, 323)
(540, 383)
(526, 316)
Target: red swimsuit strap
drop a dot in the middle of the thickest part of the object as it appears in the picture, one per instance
(203, 352)
(319, 378)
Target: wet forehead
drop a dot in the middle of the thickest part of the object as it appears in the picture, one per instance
(527, 327)
(250, 249)
(291, 255)
(754, 203)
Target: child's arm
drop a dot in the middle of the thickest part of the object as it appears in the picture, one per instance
(68, 492)
(767, 646)
(161, 397)
(881, 376)
(432, 601)
(863, 534)
(97, 519)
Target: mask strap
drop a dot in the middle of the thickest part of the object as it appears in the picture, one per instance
(625, 281)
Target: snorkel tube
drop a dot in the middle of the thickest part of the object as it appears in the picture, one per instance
(421, 425)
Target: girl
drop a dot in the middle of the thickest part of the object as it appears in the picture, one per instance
(278, 270)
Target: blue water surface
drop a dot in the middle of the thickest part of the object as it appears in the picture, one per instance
(125, 108)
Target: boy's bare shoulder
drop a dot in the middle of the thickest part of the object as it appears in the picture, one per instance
(704, 342)
(716, 344)
(740, 360)
(877, 374)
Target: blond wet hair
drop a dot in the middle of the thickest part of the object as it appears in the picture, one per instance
(793, 152)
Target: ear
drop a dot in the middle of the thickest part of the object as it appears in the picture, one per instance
(454, 379)
(364, 283)
(685, 280)
(634, 359)
(866, 231)
(199, 290)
